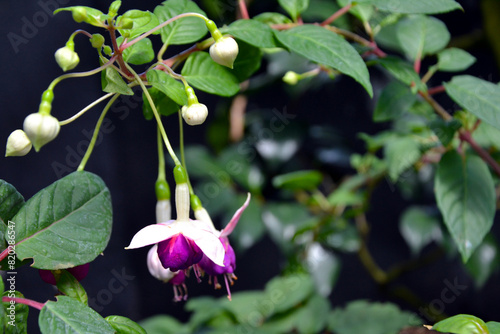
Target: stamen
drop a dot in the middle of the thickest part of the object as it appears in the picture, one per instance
(227, 287)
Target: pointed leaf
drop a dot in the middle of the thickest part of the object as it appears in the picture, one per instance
(69, 316)
(184, 30)
(401, 154)
(139, 53)
(299, 180)
(325, 47)
(10, 201)
(73, 213)
(414, 7)
(465, 194)
(93, 16)
(362, 11)
(394, 100)
(112, 82)
(484, 261)
(480, 97)
(418, 228)
(168, 85)
(69, 285)
(294, 7)
(123, 325)
(454, 60)
(402, 70)
(461, 324)
(205, 74)
(253, 32)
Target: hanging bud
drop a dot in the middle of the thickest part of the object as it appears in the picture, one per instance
(224, 51)
(18, 144)
(41, 129)
(291, 78)
(194, 114)
(97, 41)
(156, 268)
(66, 57)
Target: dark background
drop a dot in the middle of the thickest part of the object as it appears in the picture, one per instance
(126, 160)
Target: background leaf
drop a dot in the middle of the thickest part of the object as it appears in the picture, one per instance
(461, 324)
(415, 7)
(124, 325)
(73, 213)
(325, 47)
(401, 153)
(294, 7)
(394, 100)
(484, 261)
(299, 180)
(464, 193)
(168, 85)
(454, 60)
(419, 228)
(252, 32)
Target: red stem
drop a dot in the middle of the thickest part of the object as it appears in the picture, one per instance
(4, 253)
(118, 52)
(243, 10)
(466, 136)
(24, 301)
(336, 15)
(436, 90)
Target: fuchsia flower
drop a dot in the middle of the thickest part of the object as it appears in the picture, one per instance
(210, 267)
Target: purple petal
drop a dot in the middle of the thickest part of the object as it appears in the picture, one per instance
(178, 253)
(213, 269)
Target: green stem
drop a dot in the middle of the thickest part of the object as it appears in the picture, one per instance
(183, 156)
(96, 133)
(161, 157)
(157, 116)
(174, 75)
(84, 110)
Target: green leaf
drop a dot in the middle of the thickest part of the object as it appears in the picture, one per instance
(68, 315)
(414, 7)
(312, 317)
(300, 180)
(123, 325)
(454, 60)
(294, 7)
(168, 85)
(271, 18)
(10, 201)
(480, 97)
(92, 16)
(139, 53)
(164, 324)
(487, 135)
(184, 30)
(464, 193)
(3, 307)
(461, 324)
(73, 213)
(422, 35)
(324, 268)
(401, 154)
(418, 228)
(402, 70)
(203, 73)
(493, 327)
(394, 100)
(142, 21)
(377, 318)
(289, 291)
(445, 130)
(253, 32)
(15, 316)
(247, 62)
(112, 82)
(484, 261)
(362, 11)
(325, 47)
(69, 285)
(164, 105)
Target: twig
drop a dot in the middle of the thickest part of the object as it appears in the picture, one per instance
(243, 9)
(24, 301)
(336, 15)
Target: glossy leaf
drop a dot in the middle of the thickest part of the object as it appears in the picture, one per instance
(324, 268)
(401, 154)
(69, 285)
(68, 315)
(394, 100)
(139, 53)
(203, 73)
(415, 7)
(123, 325)
(184, 30)
(422, 35)
(253, 32)
(17, 324)
(73, 213)
(325, 47)
(484, 261)
(461, 324)
(480, 97)
(418, 228)
(142, 21)
(454, 60)
(464, 193)
(402, 70)
(300, 180)
(294, 7)
(377, 318)
(112, 82)
(168, 85)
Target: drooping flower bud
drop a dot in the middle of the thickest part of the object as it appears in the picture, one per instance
(18, 144)
(195, 114)
(41, 129)
(156, 268)
(224, 51)
(66, 57)
(79, 272)
(291, 78)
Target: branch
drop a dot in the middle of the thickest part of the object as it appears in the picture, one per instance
(243, 9)
(467, 137)
(24, 301)
(336, 15)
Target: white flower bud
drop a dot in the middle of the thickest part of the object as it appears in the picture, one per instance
(67, 58)
(224, 51)
(195, 114)
(155, 268)
(18, 144)
(41, 129)
(163, 211)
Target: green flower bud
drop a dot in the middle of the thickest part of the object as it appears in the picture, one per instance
(291, 78)
(126, 23)
(224, 51)
(18, 144)
(97, 41)
(67, 58)
(194, 114)
(79, 14)
(107, 50)
(41, 129)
